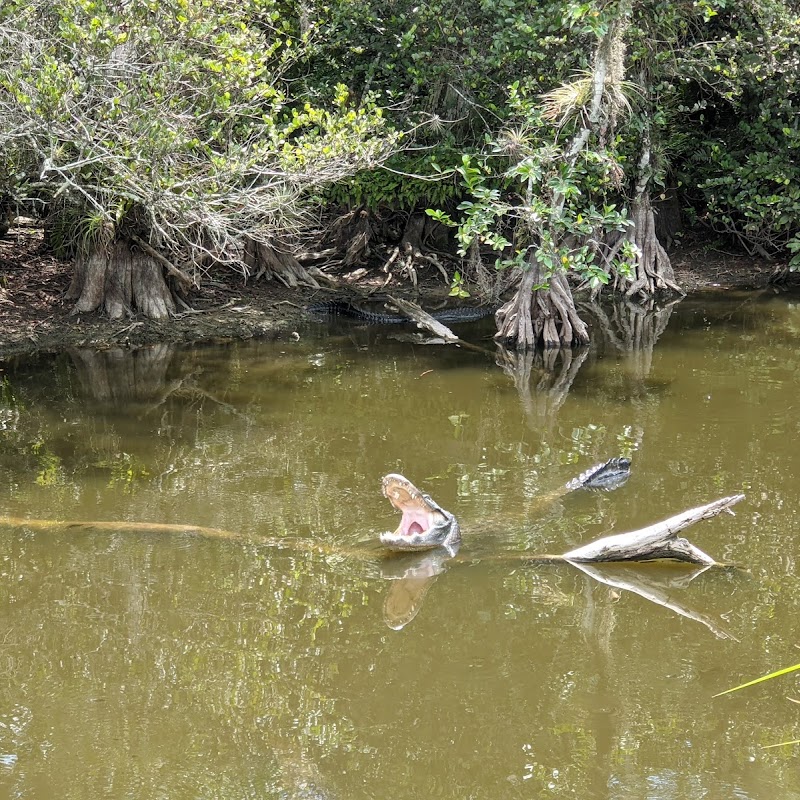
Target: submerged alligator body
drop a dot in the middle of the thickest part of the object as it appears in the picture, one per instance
(425, 525)
(447, 316)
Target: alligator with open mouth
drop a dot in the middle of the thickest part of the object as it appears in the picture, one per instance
(425, 525)
(434, 535)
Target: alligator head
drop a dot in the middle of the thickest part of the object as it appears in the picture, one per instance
(424, 525)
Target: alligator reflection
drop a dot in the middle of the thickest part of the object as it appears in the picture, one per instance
(411, 575)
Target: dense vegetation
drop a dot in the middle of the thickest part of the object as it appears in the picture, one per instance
(164, 138)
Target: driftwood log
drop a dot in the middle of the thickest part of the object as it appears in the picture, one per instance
(424, 320)
(656, 541)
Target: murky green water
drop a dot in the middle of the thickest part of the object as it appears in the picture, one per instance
(145, 664)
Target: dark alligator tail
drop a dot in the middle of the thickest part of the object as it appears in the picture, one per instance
(609, 475)
(344, 308)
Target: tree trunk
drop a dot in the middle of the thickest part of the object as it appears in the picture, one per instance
(548, 318)
(89, 281)
(151, 295)
(120, 280)
(119, 283)
(653, 271)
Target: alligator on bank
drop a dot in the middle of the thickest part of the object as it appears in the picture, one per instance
(425, 525)
(349, 310)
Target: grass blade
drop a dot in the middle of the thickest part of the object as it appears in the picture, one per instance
(780, 744)
(760, 680)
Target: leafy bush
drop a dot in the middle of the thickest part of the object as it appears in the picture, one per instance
(174, 119)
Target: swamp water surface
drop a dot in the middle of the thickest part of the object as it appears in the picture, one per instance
(147, 664)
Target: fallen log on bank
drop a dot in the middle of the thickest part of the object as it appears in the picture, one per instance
(424, 320)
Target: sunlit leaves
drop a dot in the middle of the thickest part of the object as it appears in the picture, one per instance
(181, 109)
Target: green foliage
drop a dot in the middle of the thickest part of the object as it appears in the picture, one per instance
(558, 211)
(793, 246)
(457, 288)
(402, 183)
(741, 163)
(174, 118)
(445, 58)
(203, 122)
(750, 182)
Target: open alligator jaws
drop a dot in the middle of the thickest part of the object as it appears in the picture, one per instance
(426, 525)
(447, 316)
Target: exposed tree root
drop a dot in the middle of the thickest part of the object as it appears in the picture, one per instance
(541, 317)
(410, 253)
(491, 284)
(272, 262)
(353, 235)
(653, 271)
(151, 295)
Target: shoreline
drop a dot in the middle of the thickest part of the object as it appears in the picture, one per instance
(35, 318)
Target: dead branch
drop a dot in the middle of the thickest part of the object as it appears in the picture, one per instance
(656, 541)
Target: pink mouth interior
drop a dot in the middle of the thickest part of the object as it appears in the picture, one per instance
(414, 522)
